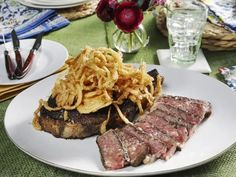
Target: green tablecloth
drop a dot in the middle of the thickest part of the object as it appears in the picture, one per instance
(91, 31)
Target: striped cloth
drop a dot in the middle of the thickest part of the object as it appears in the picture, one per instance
(27, 21)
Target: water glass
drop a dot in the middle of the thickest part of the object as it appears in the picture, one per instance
(185, 22)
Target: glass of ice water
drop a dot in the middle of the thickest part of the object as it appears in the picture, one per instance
(185, 22)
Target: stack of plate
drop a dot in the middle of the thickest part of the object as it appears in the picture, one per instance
(214, 38)
(55, 4)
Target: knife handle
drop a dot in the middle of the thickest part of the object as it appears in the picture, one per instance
(19, 66)
(27, 65)
(28, 61)
(9, 66)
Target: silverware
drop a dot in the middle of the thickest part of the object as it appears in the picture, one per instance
(28, 62)
(16, 46)
(10, 68)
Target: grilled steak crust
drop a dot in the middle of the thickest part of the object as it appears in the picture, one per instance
(81, 128)
(81, 125)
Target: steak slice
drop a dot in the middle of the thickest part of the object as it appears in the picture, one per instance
(170, 143)
(191, 110)
(156, 147)
(179, 134)
(119, 149)
(136, 149)
(111, 150)
(175, 120)
(182, 111)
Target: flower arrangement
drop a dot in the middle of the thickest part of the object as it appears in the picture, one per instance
(126, 14)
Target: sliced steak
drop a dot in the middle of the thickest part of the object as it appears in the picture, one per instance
(191, 110)
(170, 143)
(136, 149)
(188, 104)
(175, 112)
(182, 111)
(159, 132)
(172, 119)
(111, 150)
(180, 134)
(157, 148)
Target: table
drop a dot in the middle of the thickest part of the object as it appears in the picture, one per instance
(93, 32)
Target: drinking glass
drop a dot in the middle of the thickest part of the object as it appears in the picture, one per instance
(185, 22)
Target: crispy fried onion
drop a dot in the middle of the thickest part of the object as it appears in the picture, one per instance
(103, 127)
(97, 78)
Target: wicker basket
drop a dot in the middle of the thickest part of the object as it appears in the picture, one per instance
(214, 38)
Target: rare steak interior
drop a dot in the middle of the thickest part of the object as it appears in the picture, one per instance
(157, 134)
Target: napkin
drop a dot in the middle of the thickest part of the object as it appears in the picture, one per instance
(222, 13)
(9, 91)
(201, 64)
(229, 74)
(27, 21)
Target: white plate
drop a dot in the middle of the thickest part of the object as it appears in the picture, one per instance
(49, 58)
(212, 138)
(55, 2)
(48, 6)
